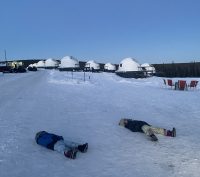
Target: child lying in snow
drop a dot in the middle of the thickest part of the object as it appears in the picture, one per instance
(57, 143)
(143, 127)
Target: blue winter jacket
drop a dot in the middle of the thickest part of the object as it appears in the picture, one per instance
(47, 140)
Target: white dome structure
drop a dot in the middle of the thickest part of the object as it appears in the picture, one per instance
(109, 67)
(149, 68)
(145, 65)
(41, 64)
(69, 62)
(34, 65)
(31, 65)
(51, 63)
(129, 64)
(92, 65)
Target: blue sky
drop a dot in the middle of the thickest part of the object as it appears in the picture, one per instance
(153, 31)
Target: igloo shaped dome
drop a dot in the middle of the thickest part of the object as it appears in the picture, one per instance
(69, 62)
(129, 64)
(41, 64)
(51, 63)
(92, 64)
(109, 66)
(31, 65)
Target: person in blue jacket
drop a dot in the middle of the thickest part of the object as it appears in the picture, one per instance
(57, 143)
(144, 127)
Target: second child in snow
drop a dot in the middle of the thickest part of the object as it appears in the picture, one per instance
(144, 127)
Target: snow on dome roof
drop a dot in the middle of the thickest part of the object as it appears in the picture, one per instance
(69, 62)
(34, 65)
(51, 63)
(109, 66)
(145, 65)
(92, 61)
(129, 59)
(41, 63)
(69, 58)
(31, 65)
(129, 64)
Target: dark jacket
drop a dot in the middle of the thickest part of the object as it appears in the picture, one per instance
(47, 140)
(135, 125)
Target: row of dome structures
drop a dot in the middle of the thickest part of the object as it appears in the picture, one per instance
(70, 63)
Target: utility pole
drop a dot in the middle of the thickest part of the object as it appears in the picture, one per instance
(5, 57)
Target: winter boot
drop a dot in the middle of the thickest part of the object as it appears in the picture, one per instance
(171, 133)
(174, 132)
(83, 148)
(153, 137)
(71, 153)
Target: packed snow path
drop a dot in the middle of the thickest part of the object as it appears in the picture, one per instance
(89, 112)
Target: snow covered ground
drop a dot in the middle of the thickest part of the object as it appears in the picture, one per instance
(89, 112)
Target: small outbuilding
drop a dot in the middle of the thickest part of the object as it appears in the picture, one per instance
(129, 64)
(16, 66)
(69, 63)
(4, 68)
(92, 66)
(130, 68)
(32, 67)
(150, 70)
(51, 63)
(41, 64)
(108, 67)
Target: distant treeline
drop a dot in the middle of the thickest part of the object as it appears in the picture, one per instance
(178, 69)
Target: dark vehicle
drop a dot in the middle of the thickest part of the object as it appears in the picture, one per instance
(32, 68)
(5, 69)
(19, 69)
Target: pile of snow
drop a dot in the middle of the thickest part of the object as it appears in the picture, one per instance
(3, 64)
(129, 64)
(70, 78)
(92, 65)
(69, 62)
